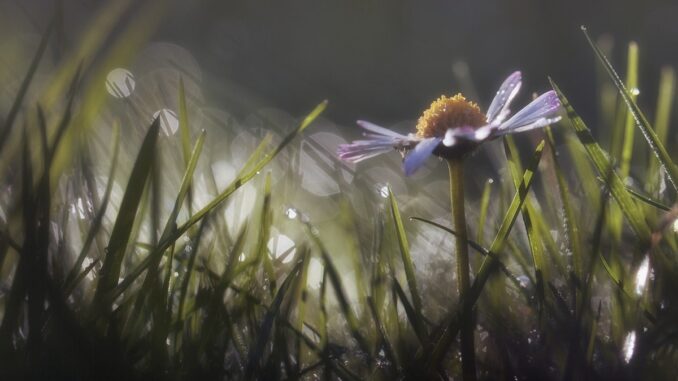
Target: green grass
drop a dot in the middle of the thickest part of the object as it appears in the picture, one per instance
(130, 290)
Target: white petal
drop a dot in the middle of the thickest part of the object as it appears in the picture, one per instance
(379, 140)
(452, 135)
(417, 157)
(378, 130)
(539, 123)
(538, 113)
(498, 109)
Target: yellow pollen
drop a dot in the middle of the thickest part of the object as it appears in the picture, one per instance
(449, 112)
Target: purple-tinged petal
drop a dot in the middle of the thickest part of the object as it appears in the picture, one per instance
(378, 130)
(416, 158)
(539, 113)
(379, 140)
(360, 150)
(498, 109)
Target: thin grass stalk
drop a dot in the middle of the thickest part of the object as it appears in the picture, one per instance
(456, 171)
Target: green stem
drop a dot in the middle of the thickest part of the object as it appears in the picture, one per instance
(456, 170)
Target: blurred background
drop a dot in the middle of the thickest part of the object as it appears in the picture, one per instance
(385, 60)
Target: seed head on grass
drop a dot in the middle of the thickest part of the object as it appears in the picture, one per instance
(453, 127)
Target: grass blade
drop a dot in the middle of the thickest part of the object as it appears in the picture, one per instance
(667, 86)
(642, 123)
(602, 163)
(405, 252)
(117, 244)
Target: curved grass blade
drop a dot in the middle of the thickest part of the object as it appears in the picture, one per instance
(631, 83)
(405, 252)
(529, 214)
(115, 252)
(484, 207)
(667, 86)
(648, 200)
(570, 223)
(642, 123)
(604, 167)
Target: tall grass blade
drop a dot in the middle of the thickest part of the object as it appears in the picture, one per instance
(602, 163)
(642, 123)
(631, 83)
(665, 99)
(117, 244)
(405, 253)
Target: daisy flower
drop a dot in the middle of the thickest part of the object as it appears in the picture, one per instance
(452, 127)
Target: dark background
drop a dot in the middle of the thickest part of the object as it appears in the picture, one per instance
(386, 60)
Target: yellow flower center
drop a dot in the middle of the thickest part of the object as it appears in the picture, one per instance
(449, 112)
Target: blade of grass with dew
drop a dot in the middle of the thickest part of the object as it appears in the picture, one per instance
(251, 169)
(489, 263)
(117, 244)
(529, 214)
(647, 199)
(667, 86)
(185, 136)
(583, 167)
(642, 123)
(631, 83)
(604, 167)
(627, 138)
(484, 207)
(405, 253)
(569, 220)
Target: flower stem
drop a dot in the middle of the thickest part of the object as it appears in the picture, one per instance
(456, 170)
